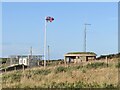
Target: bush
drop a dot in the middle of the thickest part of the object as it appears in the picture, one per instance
(5, 77)
(66, 85)
(78, 84)
(42, 72)
(60, 69)
(96, 65)
(83, 70)
(118, 65)
(109, 85)
(16, 76)
(78, 67)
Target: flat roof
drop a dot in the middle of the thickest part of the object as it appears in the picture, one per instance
(24, 55)
(81, 54)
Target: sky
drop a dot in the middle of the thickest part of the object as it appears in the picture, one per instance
(23, 27)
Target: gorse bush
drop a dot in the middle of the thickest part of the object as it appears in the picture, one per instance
(96, 65)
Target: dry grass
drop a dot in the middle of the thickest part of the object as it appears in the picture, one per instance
(32, 78)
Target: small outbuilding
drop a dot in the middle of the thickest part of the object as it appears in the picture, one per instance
(77, 57)
(27, 60)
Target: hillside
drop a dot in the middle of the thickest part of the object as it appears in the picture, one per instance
(95, 74)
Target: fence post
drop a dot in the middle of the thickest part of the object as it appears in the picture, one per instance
(107, 60)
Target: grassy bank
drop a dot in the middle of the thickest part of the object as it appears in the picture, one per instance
(90, 75)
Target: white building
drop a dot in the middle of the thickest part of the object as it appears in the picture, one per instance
(27, 60)
(23, 60)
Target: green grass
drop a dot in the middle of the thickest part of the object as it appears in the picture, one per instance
(82, 53)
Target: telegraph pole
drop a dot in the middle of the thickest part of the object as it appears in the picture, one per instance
(85, 36)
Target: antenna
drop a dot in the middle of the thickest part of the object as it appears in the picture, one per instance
(31, 50)
(85, 36)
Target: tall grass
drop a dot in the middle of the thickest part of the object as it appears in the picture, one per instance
(96, 65)
(94, 75)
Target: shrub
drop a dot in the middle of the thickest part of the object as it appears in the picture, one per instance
(60, 69)
(79, 84)
(66, 85)
(96, 65)
(109, 85)
(16, 76)
(118, 65)
(78, 67)
(5, 77)
(83, 70)
(42, 72)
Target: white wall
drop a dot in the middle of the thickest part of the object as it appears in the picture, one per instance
(23, 60)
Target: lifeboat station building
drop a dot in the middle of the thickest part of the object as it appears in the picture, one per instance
(77, 57)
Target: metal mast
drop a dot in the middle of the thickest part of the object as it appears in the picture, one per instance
(31, 52)
(50, 19)
(48, 53)
(85, 36)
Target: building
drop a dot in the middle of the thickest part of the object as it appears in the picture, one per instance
(27, 60)
(77, 57)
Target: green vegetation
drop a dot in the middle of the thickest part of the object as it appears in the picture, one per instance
(118, 65)
(83, 70)
(109, 56)
(41, 72)
(66, 84)
(96, 65)
(105, 85)
(81, 53)
(90, 75)
(12, 76)
(60, 69)
(4, 60)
